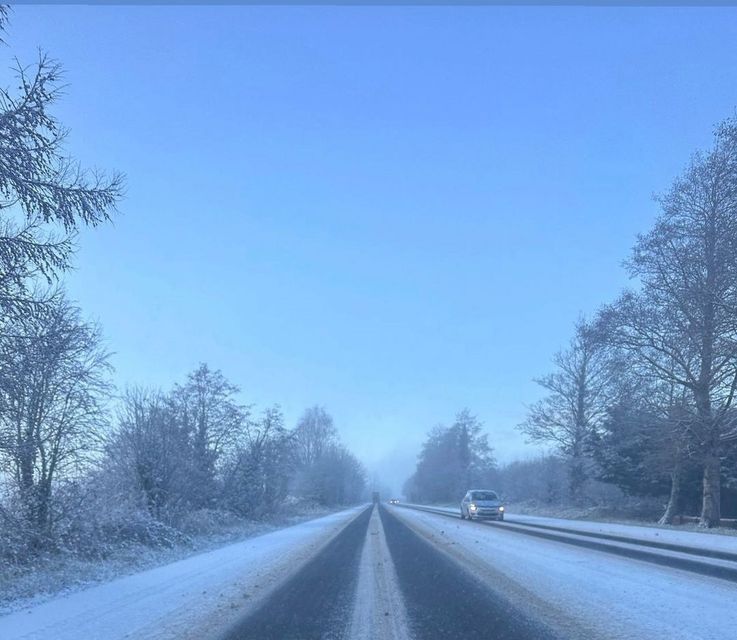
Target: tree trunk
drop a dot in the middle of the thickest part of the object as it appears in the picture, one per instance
(576, 479)
(675, 495)
(711, 507)
(711, 489)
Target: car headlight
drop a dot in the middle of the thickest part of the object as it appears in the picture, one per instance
(472, 507)
(501, 508)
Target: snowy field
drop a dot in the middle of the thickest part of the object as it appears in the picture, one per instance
(184, 599)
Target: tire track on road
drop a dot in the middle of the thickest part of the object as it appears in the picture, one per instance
(316, 603)
(444, 602)
(682, 557)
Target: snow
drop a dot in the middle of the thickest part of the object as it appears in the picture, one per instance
(190, 598)
(379, 611)
(586, 593)
(693, 539)
(639, 532)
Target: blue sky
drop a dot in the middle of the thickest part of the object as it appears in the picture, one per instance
(393, 212)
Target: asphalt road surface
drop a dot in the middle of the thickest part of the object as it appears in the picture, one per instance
(315, 602)
(444, 600)
(397, 573)
(436, 597)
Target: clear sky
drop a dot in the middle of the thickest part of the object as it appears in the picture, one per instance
(393, 212)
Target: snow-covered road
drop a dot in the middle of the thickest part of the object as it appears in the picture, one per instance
(395, 574)
(377, 591)
(191, 598)
(585, 593)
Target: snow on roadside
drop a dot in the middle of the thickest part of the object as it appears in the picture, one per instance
(52, 575)
(189, 597)
(694, 539)
(587, 593)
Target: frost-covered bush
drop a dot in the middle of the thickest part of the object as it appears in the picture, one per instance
(14, 546)
(90, 519)
(296, 505)
(205, 522)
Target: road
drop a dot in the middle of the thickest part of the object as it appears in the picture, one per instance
(435, 597)
(434, 577)
(394, 573)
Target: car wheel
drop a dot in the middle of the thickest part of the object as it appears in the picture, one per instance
(462, 516)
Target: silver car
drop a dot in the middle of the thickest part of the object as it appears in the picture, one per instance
(482, 503)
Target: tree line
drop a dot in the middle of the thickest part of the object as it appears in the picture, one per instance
(82, 468)
(453, 459)
(643, 395)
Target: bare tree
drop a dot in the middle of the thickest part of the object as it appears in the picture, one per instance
(335, 478)
(314, 434)
(209, 413)
(577, 400)
(258, 473)
(325, 471)
(53, 390)
(151, 451)
(681, 327)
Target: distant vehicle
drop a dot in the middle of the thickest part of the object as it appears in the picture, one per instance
(394, 501)
(375, 497)
(482, 503)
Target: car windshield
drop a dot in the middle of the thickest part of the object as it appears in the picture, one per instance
(484, 496)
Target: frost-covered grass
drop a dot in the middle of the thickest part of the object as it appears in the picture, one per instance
(191, 598)
(633, 511)
(636, 514)
(63, 571)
